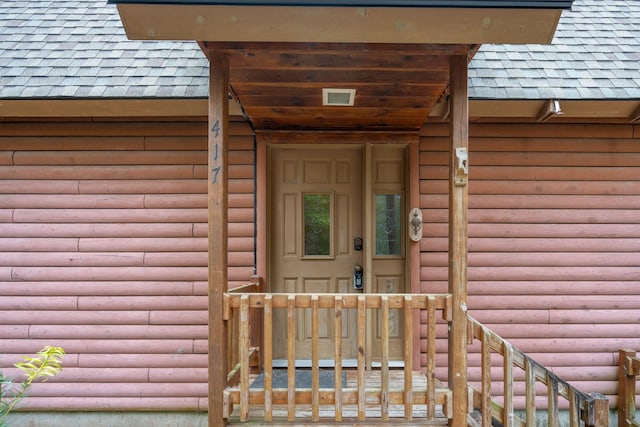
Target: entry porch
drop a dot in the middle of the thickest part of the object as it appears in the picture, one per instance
(382, 391)
(392, 64)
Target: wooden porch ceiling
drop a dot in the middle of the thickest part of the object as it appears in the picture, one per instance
(279, 85)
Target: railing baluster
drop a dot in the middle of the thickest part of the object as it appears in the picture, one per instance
(530, 386)
(337, 340)
(431, 357)
(486, 377)
(362, 322)
(268, 357)
(244, 357)
(508, 385)
(233, 349)
(315, 373)
(574, 411)
(384, 369)
(291, 357)
(408, 358)
(552, 398)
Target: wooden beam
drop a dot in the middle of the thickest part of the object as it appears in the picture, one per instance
(458, 236)
(288, 48)
(217, 212)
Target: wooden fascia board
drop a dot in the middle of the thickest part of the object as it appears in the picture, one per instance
(327, 24)
(107, 108)
(571, 109)
(82, 108)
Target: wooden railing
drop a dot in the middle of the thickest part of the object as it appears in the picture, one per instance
(628, 371)
(254, 334)
(590, 409)
(362, 397)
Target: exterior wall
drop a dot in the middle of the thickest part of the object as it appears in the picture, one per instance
(103, 251)
(554, 239)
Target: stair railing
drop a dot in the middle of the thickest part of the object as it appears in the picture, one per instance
(589, 409)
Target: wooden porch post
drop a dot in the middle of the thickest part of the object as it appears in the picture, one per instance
(458, 220)
(217, 205)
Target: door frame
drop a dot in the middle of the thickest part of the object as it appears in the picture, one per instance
(411, 140)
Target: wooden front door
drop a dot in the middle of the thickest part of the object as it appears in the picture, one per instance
(322, 200)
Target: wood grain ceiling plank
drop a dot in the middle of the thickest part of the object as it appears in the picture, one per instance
(347, 76)
(391, 61)
(337, 113)
(315, 89)
(360, 101)
(362, 89)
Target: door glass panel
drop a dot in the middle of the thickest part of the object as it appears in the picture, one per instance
(388, 224)
(317, 224)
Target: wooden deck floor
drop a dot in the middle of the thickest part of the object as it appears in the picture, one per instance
(349, 411)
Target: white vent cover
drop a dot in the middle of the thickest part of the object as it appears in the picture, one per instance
(344, 97)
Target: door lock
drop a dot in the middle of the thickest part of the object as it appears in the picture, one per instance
(358, 279)
(357, 244)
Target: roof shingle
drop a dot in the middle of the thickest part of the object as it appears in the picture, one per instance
(594, 55)
(78, 49)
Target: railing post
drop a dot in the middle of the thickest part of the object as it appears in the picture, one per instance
(626, 389)
(599, 411)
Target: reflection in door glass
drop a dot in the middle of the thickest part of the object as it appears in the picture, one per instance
(317, 224)
(388, 224)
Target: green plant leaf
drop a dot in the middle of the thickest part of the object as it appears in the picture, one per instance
(46, 364)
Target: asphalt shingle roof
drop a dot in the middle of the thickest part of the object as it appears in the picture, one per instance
(78, 49)
(595, 54)
(54, 49)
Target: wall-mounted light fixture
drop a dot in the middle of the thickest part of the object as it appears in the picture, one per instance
(549, 109)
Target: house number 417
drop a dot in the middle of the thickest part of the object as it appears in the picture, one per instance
(215, 167)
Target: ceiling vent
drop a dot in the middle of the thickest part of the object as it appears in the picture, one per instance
(338, 97)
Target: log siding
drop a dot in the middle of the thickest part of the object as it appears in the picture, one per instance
(103, 251)
(554, 239)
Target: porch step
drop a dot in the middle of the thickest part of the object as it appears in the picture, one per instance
(344, 422)
(303, 411)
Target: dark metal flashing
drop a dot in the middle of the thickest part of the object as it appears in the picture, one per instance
(501, 4)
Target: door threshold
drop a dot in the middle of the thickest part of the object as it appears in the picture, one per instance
(323, 363)
(330, 363)
(392, 364)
